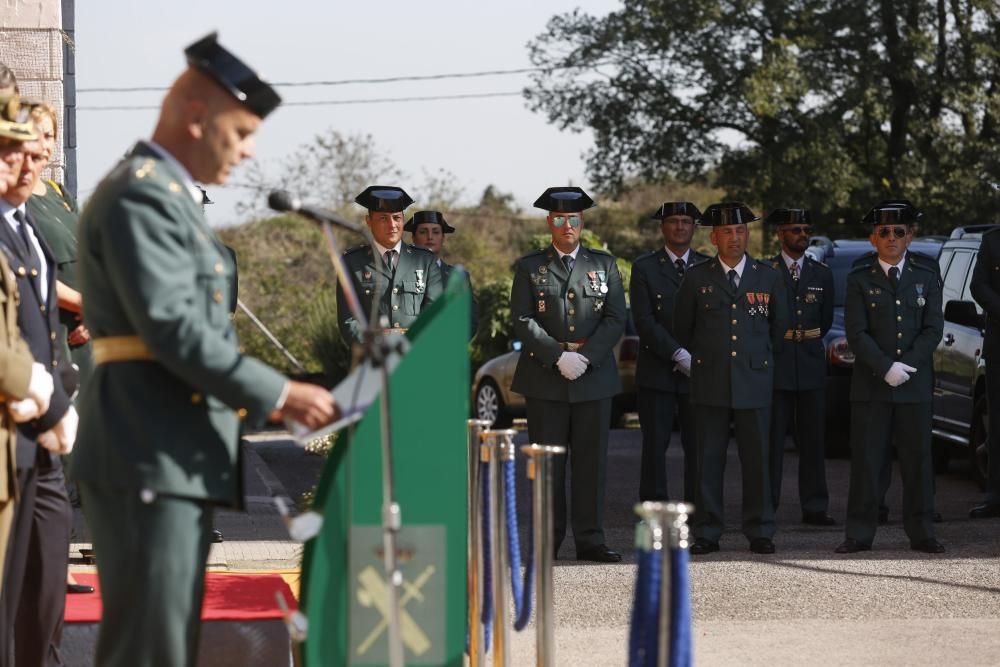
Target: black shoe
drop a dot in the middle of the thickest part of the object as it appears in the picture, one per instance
(599, 554)
(883, 517)
(702, 547)
(851, 546)
(928, 546)
(762, 545)
(818, 519)
(937, 518)
(216, 536)
(985, 511)
(78, 589)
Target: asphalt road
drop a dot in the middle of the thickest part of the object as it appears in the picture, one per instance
(803, 605)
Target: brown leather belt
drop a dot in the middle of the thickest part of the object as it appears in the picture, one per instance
(799, 335)
(573, 347)
(121, 348)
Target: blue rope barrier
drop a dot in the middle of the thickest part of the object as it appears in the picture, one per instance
(521, 590)
(680, 610)
(645, 610)
(487, 613)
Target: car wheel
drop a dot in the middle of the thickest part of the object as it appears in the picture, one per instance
(978, 443)
(489, 404)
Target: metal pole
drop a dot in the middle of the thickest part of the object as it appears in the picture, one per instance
(498, 443)
(474, 552)
(270, 336)
(540, 470)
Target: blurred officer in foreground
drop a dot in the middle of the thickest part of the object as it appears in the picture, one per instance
(160, 420)
(427, 230)
(893, 321)
(568, 306)
(663, 366)
(731, 313)
(985, 289)
(800, 365)
(400, 281)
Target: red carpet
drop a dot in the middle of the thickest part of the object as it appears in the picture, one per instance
(228, 597)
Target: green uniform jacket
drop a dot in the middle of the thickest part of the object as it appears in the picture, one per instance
(885, 325)
(652, 291)
(731, 337)
(415, 285)
(801, 365)
(550, 307)
(15, 374)
(150, 266)
(985, 288)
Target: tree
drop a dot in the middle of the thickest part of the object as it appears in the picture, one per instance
(828, 104)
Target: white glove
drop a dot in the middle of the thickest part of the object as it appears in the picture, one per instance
(40, 387)
(24, 410)
(65, 430)
(683, 359)
(898, 373)
(572, 365)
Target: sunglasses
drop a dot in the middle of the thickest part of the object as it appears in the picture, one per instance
(898, 232)
(560, 220)
(799, 229)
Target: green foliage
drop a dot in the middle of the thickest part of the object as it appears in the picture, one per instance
(328, 348)
(495, 323)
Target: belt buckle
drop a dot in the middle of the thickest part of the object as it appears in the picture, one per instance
(572, 347)
(799, 335)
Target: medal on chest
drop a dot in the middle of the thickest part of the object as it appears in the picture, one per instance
(921, 301)
(420, 279)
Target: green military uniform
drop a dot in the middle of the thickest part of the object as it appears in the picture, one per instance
(800, 382)
(885, 324)
(159, 424)
(400, 294)
(474, 310)
(555, 309)
(662, 390)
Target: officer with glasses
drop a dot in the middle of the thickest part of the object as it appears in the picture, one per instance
(894, 321)
(800, 365)
(568, 307)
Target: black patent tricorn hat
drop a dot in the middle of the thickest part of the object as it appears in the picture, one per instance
(564, 200)
(728, 213)
(892, 212)
(671, 208)
(384, 198)
(214, 60)
(428, 218)
(789, 216)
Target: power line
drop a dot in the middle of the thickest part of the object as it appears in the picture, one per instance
(330, 103)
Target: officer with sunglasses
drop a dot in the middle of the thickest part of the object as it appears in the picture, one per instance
(894, 321)
(800, 365)
(568, 307)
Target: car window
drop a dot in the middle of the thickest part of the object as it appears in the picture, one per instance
(944, 259)
(954, 279)
(966, 292)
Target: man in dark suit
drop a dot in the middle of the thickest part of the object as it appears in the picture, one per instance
(800, 365)
(731, 313)
(893, 320)
(568, 306)
(427, 230)
(663, 366)
(397, 284)
(35, 581)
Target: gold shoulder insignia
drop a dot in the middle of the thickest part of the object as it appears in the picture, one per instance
(146, 169)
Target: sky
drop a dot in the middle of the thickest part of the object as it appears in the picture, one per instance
(487, 141)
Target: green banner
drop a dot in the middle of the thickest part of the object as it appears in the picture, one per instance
(344, 594)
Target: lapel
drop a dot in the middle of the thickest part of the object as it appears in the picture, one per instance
(878, 278)
(555, 265)
(718, 276)
(749, 279)
(667, 267)
(48, 258)
(906, 276)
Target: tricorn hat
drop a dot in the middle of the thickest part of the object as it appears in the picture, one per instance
(789, 216)
(564, 200)
(728, 213)
(211, 58)
(428, 218)
(893, 211)
(384, 198)
(15, 121)
(670, 208)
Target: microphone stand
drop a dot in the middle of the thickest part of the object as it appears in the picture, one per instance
(378, 349)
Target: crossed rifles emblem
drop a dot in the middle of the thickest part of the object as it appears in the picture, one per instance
(373, 592)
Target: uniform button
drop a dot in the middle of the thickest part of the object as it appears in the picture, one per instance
(899, 352)
(21, 271)
(217, 297)
(734, 353)
(765, 362)
(897, 302)
(570, 295)
(734, 338)
(368, 291)
(798, 312)
(196, 398)
(34, 272)
(659, 296)
(147, 496)
(734, 306)
(572, 328)
(42, 308)
(54, 363)
(539, 294)
(734, 321)
(798, 298)
(899, 318)
(899, 335)
(52, 336)
(242, 413)
(395, 290)
(572, 312)
(396, 324)
(698, 361)
(218, 267)
(531, 354)
(395, 306)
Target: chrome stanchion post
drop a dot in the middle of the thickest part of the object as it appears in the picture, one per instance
(498, 446)
(477, 649)
(540, 471)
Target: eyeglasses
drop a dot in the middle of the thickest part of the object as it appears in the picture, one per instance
(560, 220)
(799, 229)
(898, 232)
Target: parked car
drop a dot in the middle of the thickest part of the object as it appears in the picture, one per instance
(840, 256)
(493, 399)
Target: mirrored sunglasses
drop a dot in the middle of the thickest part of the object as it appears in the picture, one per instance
(898, 232)
(560, 220)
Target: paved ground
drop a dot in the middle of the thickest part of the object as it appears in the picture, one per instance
(803, 605)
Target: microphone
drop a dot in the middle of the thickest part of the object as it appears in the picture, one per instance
(281, 201)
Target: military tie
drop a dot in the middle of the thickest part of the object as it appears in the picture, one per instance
(679, 263)
(32, 260)
(894, 277)
(389, 256)
(794, 268)
(568, 261)
(733, 279)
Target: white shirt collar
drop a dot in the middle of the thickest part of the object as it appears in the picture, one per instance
(886, 265)
(573, 254)
(739, 267)
(674, 258)
(382, 249)
(801, 261)
(192, 189)
(7, 210)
